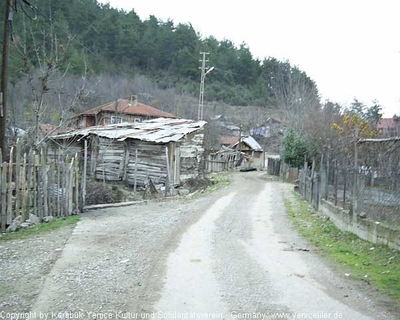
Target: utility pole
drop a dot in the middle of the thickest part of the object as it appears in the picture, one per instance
(204, 71)
(4, 77)
(203, 76)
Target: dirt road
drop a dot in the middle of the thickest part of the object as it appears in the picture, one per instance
(232, 255)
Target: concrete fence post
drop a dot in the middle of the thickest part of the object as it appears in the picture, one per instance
(323, 180)
(359, 194)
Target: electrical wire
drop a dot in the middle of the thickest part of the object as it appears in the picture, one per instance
(33, 8)
(23, 3)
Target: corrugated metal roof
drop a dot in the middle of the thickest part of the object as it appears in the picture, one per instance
(251, 142)
(160, 130)
(232, 141)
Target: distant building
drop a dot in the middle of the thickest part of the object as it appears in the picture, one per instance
(246, 145)
(229, 127)
(389, 127)
(271, 128)
(122, 110)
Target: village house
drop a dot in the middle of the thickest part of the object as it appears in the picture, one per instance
(389, 127)
(272, 127)
(166, 151)
(228, 127)
(119, 111)
(236, 151)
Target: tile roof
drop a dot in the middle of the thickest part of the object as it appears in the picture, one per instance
(228, 140)
(385, 123)
(126, 107)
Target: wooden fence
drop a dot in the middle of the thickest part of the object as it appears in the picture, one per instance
(273, 166)
(221, 161)
(29, 183)
(309, 186)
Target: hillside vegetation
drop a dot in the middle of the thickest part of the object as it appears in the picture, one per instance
(68, 56)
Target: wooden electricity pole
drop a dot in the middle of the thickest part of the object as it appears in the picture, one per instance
(203, 76)
(4, 77)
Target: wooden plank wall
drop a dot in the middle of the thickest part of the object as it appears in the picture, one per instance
(134, 161)
(146, 160)
(31, 183)
(110, 160)
(63, 148)
(221, 161)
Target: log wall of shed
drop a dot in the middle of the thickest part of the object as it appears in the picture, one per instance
(63, 147)
(134, 161)
(146, 160)
(191, 159)
(110, 160)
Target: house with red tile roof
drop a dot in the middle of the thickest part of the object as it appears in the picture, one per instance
(389, 127)
(122, 110)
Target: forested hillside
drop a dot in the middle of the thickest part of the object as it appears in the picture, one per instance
(69, 55)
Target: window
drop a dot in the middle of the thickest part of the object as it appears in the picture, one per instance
(81, 122)
(116, 119)
(137, 120)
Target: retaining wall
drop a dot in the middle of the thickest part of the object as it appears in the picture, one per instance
(366, 229)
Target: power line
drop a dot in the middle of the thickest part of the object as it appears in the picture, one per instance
(49, 21)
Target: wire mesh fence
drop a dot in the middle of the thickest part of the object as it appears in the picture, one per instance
(365, 179)
(379, 170)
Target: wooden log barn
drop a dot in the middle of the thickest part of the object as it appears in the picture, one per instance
(167, 151)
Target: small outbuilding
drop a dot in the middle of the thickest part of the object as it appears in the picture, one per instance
(236, 151)
(167, 151)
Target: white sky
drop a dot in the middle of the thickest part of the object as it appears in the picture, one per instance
(350, 48)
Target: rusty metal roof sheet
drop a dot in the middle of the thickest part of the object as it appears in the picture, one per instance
(160, 130)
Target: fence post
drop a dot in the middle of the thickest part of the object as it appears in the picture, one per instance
(24, 192)
(39, 182)
(52, 189)
(312, 180)
(315, 195)
(358, 197)
(70, 187)
(59, 178)
(10, 188)
(323, 179)
(303, 183)
(29, 183)
(304, 178)
(3, 178)
(18, 178)
(44, 177)
(83, 186)
(355, 183)
(76, 182)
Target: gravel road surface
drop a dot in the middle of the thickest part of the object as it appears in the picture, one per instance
(232, 254)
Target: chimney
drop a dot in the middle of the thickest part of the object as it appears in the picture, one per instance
(133, 100)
